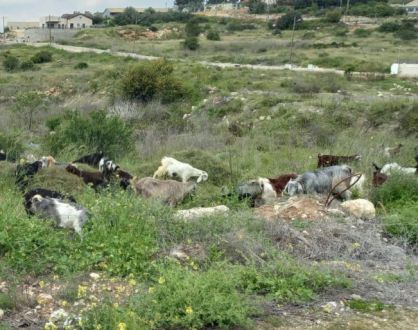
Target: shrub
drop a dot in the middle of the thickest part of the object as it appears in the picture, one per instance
(213, 35)
(43, 56)
(192, 28)
(98, 131)
(257, 7)
(27, 65)
(397, 191)
(237, 26)
(152, 80)
(403, 222)
(406, 34)
(285, 22)
(12, 144)
(333, 16)
(11, 63)
(362, 33)
(81, 66)
(191, 43)
(389, 27)
(153, 28)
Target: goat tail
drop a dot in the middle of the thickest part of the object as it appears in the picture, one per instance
(160, 172)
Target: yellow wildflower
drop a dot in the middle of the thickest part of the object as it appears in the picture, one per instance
(122, 326)
(189, 310)
(355, 245)
(161, 280)
(151, 290)
(50, 326)
(132, 282)
(116, 305)
(63, 303)
(82, 291)
(41, 284)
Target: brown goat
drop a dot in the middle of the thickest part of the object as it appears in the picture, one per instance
(96, 179)
(378, 178)
(281, 181)
(330, 160)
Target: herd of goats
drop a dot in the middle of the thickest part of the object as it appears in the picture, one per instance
(171, 183)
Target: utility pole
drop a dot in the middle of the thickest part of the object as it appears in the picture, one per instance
(293, 37)
(4, 31)
(50, 33)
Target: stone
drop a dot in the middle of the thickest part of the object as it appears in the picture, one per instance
(58, 315)
(1, 314)
(359, 208)
(329, 307)
(94, 276)
(44, 299)
(355, 297)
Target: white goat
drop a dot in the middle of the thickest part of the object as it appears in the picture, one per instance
(174, 168)
(65, 214)
(268, 194)
(395, 167)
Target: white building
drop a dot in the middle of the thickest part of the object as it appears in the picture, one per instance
(67, 21)
(412, 7)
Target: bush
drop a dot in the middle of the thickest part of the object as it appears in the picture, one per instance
(191, 43)
(257, 7)
(213, 35)
(285, 22)
(98, 131)
(389, 27)
(43, 56)
(237, 26)
(12, 144)
(399, 190)
(152, 80)
(81, 66)
(362, 33)
(406, 34)
(333, 16)
(27, 65)
(403, 222)
(11, 63)
(192, 28)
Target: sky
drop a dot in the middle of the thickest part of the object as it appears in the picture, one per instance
(32, 10)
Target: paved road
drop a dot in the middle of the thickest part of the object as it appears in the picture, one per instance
(76, 49)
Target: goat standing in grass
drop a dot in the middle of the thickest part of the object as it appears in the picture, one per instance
(65, 215)
(322, 182)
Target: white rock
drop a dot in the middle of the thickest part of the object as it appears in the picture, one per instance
(329, 307)
(360, 208)
(355, 297)
(1, 314)
(57, 315)
(44, 299)
(94, 276)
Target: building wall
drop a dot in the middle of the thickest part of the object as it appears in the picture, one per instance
(22, 25)
(408, 70)
(79, 22)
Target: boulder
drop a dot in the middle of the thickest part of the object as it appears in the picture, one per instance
(359, 208)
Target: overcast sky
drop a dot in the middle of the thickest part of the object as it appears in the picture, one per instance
(28, 10)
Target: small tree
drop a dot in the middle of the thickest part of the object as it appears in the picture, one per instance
(11, 63)
(191, 43)
(98, 18)
(27, 105)
(286, 21)
(213, 35)
(257, 7)
(192, 28)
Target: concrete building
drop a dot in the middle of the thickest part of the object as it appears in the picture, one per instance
(412, 7)
(67, 21)
(113, 12)
(404, 69)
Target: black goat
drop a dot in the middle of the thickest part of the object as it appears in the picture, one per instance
(2, 155)
(26, 172)
(92, 160)
(44, 193)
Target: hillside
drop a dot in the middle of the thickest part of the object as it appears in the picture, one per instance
(137, 265)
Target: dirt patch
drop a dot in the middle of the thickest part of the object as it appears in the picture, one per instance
(298, 207)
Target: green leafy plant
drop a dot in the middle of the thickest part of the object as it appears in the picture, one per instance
(81, 66)
(43, 56)
(11, 63)
(191, 43)
(213, 35)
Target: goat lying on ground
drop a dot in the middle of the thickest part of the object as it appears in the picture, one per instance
(170, 192)
(45, 193)
(2, 155)
(322, 182)
(25, 172)
(378, 177)
(252, 191)
(395, 167)
(174, 168)
(273, 187)
(92, 160)
(96, 179)
(393, 151)
(47, 161)
(66, 215)
(330, 160)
